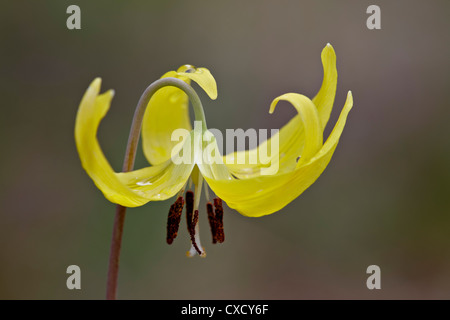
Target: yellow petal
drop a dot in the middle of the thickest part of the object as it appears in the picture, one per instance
(267, 194)
(310, 121)
(208, 159)
(291, 139)
(159, 182)
(325, 97)
(133, 188)
(203, 78)
(168, 110)
(291, 136)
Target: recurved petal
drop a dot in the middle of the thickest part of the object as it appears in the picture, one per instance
(291, 136)
(133, 188)
(165, 180)
(290, 141)
(264, 195)
(301, 136)
(325, 97)
(168, 110)
(312, 130)
(203, 78)
(159, 182)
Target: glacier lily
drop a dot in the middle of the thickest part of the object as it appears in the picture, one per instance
(162, 109)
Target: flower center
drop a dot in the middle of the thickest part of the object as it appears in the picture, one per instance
(215, 217)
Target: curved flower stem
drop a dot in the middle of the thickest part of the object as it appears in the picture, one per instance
(128, 164)
(116, 243)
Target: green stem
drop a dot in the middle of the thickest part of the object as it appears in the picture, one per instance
(128, 164)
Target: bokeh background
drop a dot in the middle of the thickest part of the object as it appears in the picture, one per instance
(384, 199)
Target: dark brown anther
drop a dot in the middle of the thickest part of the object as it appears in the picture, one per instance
(220, 235)
(173, 221)
(212, 221)
(216, 220)
(190, 202)
(189, 209)
(191, 218)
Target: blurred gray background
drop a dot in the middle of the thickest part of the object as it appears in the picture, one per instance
(383, 199)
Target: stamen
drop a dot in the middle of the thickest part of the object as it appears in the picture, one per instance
(206, 192)
(189, 206)
(212, 221)
(173, 221)
(192, 232)
(216, 220)
(180, 194)
(191, 219)
(220, 235)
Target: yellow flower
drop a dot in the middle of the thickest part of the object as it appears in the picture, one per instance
(301, 159)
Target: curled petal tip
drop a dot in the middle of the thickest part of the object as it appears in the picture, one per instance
(273, 105)
(328, 48)
(186, 68)
(212, 92)
(202, 77)
(210, 85)
(96, 83)
(350, 98)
